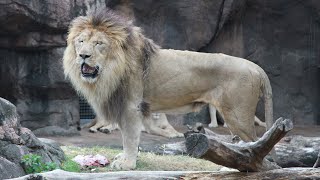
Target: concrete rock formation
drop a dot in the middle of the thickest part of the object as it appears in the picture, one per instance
(17, 141)
(281, 36)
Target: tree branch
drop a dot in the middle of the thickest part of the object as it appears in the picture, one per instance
(244, 156)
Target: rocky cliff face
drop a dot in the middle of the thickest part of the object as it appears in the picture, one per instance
(32, 41)
(281, 36)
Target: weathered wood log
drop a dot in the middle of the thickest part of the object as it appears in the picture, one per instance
(291, 151)
(243, 156)
(297, 151)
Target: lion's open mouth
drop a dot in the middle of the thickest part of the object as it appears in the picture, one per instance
(88, 71)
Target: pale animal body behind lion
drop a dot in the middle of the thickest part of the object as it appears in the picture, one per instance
(125, 76)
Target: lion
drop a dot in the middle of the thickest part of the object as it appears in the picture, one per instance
(125, 77)
(158, 119)
(214, 121)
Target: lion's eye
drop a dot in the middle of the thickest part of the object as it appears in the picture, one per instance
(80, 41)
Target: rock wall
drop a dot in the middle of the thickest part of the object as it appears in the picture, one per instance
(32, 41)
(281, 36)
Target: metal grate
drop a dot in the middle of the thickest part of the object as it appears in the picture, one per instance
(86, 111)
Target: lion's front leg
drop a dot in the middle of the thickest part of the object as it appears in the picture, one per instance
(130, 127)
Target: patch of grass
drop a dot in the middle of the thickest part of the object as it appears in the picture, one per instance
(70, 165)
(146, 161)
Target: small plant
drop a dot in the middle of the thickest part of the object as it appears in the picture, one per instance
(33, 164)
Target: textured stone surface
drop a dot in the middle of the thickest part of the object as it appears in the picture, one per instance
(32, 41)
(9, 169)
(281, 36)
(17, 141)
(35, 82)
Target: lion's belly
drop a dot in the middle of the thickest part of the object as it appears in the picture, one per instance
(175, 83)
(161, 108)
(178, 79)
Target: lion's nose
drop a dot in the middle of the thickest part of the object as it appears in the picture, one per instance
(84, 56)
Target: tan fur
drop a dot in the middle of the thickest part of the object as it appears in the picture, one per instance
(158, 119)
(214, 121)
(136, 77)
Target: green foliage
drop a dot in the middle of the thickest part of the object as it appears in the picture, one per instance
(33, 164)
(70, 166)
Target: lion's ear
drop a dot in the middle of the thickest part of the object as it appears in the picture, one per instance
(119, 38)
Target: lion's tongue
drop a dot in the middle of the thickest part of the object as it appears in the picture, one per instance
(87, 69)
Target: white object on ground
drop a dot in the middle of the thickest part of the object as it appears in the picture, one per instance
(91, 160)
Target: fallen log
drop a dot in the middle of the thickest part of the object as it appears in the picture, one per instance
(292, 151)
(317, 163)
(286, 173)
(297, 151)
(244, 156)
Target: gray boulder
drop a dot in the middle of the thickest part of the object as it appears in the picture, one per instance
(17, 141)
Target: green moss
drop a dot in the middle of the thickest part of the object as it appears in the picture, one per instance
(70, 166)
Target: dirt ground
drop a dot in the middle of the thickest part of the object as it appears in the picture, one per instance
(150, 142)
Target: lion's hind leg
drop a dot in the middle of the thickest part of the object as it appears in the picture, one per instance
(213, 116)
(241, 124)
(239, 120)
(259, 122)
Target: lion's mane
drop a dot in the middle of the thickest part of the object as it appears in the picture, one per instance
(131, 49)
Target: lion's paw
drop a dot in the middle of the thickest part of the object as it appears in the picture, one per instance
(122, 163)
(104, 130)
(93, 130)
(180, 135)
(212, 125)
(175, 135)
(119, 156)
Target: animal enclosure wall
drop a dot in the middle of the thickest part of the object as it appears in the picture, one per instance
(281, 36)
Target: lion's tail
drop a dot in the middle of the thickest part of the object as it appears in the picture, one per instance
(268, 104)
(268, 107)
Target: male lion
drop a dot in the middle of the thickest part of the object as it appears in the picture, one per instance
(214, 121)
(125, 77)
(158, 119)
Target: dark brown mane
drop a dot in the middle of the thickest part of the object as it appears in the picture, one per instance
(107, 17)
